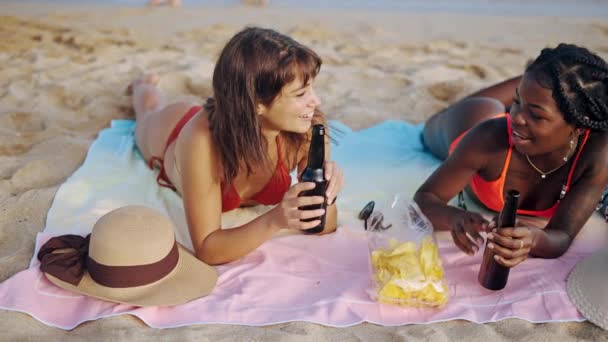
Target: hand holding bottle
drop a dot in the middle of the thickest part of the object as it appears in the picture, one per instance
(288, 214)
(492, 274)
(511, 245)
(466, 226)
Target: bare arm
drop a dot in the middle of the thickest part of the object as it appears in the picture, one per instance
(451, 177)
(503, 91)
(575, 209)
(514, 245)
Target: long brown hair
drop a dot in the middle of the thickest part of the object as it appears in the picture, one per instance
(252, 68)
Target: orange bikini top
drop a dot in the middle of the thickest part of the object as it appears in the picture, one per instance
(271, 194)
(490, 193)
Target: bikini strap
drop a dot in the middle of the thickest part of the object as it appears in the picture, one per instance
(509, 129)
(161, 179)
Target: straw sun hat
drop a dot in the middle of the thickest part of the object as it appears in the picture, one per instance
(587, 288)
(130, 257)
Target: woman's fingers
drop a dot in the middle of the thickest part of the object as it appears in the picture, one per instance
(512, 249)
(517, 232)
(462, 246)
(479, 223)
(511, 245)
(462, 241)
(303, 225)
(507, 242)
(510, 262)
(475, 224)
(465, 231)
(509, 253)
(336, 180)
(295, 190)
(303, 201)
(306, 214)
(512, 238)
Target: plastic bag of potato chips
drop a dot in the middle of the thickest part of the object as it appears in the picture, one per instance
(406, 268)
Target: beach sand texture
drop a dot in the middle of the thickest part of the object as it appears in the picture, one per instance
(64, 70)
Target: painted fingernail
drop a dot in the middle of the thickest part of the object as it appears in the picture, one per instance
(496, 257)
(490, 236)
(494, 230)
(491, 246)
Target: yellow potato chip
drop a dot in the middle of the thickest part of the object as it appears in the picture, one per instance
(410, 276)
(408, 247)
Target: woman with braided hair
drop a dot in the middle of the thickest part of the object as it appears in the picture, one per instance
(551, 146)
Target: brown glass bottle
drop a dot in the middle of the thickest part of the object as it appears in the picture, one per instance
(315, 173)
(492, 275)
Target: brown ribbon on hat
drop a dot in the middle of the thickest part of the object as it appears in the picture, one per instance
(69, 265)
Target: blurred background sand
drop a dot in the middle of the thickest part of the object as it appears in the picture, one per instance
(64, 68)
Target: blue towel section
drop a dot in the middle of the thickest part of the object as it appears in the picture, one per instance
(378, 163)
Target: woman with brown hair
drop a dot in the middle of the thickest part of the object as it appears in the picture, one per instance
(544, 134)
(239, 148)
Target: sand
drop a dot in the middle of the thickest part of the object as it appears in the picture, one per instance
(64, 69)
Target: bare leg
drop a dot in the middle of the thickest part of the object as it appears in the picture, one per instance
(443, 127)
(145, 95)
(503, 91)
(155, 120)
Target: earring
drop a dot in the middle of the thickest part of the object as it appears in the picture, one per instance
(571, 147)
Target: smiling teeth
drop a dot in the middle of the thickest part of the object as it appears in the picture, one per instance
(307, 116)
(519, 135)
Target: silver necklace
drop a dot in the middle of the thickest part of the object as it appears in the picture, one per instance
(544, 175)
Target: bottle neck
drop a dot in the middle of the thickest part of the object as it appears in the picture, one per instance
(316, 153)
(508, 214)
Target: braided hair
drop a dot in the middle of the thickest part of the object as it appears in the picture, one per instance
(579, 82)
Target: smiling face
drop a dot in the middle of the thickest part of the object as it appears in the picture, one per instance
(292, 110)
(538, 125)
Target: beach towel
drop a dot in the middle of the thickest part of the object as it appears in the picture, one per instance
(293, 277)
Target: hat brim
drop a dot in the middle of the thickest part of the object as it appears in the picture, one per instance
(190, 279)
(587, 288)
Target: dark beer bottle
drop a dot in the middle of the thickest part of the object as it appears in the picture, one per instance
(492, 275)
(315, 173)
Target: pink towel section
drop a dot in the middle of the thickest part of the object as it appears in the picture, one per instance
(321, 279)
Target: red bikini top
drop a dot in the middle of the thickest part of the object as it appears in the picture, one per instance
(271, 194)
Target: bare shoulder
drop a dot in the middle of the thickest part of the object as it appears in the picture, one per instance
(595, 153)
(197, 149)
(487, 138)
(197, 132)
